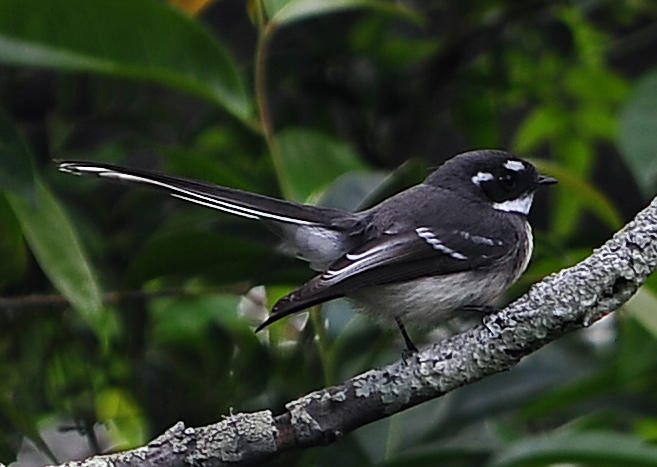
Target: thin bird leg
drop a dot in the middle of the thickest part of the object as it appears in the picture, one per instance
(407, 340)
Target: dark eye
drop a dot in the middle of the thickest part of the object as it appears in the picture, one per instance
(508, 181)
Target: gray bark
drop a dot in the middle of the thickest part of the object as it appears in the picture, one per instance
(569, 300)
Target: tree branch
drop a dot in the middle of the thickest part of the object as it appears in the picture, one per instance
(571, 299)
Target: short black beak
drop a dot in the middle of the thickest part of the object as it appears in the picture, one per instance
(545, 180)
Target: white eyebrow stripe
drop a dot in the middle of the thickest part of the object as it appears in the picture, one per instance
(516, 166)
(482, 177)
(428, 236)
(520, 205)
(191, 196)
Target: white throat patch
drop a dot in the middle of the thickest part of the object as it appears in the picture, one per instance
(520, 205)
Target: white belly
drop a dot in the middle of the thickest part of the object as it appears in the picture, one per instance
(429, 301)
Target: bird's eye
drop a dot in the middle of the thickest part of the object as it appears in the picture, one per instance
(508, 181)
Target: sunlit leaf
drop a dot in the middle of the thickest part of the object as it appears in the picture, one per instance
(118, 409)
(142, 39)
(287, 12)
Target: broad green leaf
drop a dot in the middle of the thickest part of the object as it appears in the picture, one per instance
(141, 39)
(56, 247)
(48, 231)
(599, 448)
(637, 138)
(12, 247)
(16, 168)
(287, 12)
(311, 161)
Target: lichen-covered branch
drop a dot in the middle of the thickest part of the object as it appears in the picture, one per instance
(569, 300)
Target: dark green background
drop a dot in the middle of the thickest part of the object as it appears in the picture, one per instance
(119, 307)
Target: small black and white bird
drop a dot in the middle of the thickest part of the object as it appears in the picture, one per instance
(455, 242)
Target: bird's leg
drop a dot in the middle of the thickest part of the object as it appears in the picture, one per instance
(410, 347)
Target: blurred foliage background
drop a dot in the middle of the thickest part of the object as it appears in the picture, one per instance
(123, 311)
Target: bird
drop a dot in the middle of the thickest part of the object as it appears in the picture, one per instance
(452, 243)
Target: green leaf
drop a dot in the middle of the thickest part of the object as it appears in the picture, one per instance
(643, 307)
(141, 39)
(198, 252)
(596, 84)
(636, 348)
(410, 173)
(311, 161)
(588, 195)
(540, 126)
(600, 448)
(576, 157)
(637, 138)
(56, 247)
(24, 421)
(178, 319)
(16, 167)
(285, 13)
(12, 247)
(48, 231)
(117, 408)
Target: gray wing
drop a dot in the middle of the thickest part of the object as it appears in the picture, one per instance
(402, 257)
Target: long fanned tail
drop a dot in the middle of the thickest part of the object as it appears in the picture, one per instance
(229, 200)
